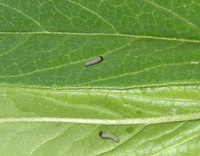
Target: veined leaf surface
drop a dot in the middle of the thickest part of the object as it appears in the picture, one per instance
(146, 91)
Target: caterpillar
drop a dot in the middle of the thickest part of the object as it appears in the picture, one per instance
(108, 136)
(94, 61)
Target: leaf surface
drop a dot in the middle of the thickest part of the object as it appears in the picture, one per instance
(146, 91)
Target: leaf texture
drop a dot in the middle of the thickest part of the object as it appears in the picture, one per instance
(146, 91)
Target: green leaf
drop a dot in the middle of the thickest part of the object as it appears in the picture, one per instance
(146, 91)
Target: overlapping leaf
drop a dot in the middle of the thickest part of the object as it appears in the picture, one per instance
(51, 104)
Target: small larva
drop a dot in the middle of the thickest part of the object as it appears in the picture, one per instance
(108, 136)
(94, 61)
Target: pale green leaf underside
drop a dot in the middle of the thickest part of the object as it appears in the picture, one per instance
(146, 91)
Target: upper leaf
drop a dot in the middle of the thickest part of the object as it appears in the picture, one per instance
(150, 77)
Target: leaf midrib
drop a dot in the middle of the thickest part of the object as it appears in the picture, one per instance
(125, 121)
(129, 121)
(177, 84)
(102, 34)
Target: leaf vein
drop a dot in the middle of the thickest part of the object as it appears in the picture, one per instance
(22, 13)
(173, 13)
(180, 143)
(137, 72)
(103, 34)
(93, 12)
(126, 121)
